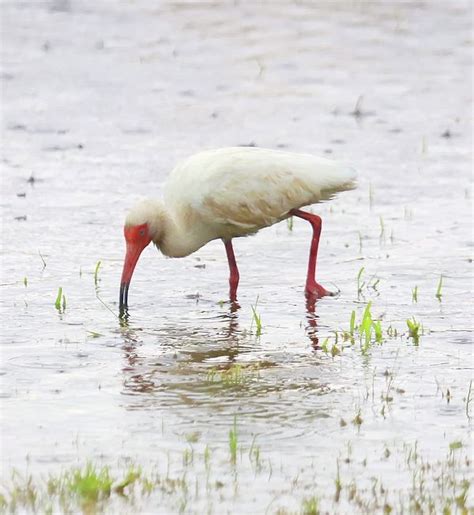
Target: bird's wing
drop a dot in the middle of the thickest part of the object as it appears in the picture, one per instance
(252, 188)
(256, 202)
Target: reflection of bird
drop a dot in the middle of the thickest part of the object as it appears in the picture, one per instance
(232, 192)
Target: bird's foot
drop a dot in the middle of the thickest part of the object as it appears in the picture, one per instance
(316, 291)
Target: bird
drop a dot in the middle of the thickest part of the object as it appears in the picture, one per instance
(228, 193)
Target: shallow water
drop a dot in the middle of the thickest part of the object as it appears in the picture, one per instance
(100, 101)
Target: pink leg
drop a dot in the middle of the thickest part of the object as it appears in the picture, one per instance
(313, 289)
(234, 271)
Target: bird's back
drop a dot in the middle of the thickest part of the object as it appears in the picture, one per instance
(243, 189)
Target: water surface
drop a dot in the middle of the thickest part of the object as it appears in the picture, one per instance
(100, 101)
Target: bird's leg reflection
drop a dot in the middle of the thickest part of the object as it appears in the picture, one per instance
(130, 340)
(233, 317)
(312, 328)
(146, 370)
(133, 378)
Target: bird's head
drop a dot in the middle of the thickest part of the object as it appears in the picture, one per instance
(142, 226)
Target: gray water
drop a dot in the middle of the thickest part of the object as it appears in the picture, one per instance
(100, 100)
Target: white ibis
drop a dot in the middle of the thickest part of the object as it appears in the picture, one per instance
(229, 193)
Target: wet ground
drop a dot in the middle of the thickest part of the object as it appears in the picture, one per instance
(100, 101)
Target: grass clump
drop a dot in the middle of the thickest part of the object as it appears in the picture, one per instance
(310, 506)
(89, 489)
(370, 331)
(415, 330)
(382, 230)
(90, 484)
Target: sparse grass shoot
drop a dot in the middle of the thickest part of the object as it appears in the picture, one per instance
(133, 474)
(335, 351)
(382, 229)
(457, 444)
(233, 442)
(377, 325)
(42, 259)
(58, 299)
(357, 420)
(366, 326)
(439, 294)
(93, 334)
(338, 483)
(414, 294)
(207, 457)
(360, 283)
(352, 323)
(96, 273)
(60, 303)
(468, 400)
(257, 319)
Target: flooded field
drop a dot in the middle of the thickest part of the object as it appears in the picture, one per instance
(190, 406)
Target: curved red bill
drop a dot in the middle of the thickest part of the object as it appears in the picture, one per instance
(137, 238)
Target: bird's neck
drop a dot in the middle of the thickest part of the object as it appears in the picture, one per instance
(181, 234)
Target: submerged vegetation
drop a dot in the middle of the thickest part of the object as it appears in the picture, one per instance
(236, 374)
(424, 486)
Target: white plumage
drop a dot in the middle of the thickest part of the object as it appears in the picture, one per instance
(228, 193)
(243, 189)
(233, 192)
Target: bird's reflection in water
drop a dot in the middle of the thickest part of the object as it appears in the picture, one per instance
(185, 352)
(146, 374)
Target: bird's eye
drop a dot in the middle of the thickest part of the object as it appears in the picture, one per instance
(142, 232)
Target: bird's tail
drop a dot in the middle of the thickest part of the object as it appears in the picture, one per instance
(342, 179)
